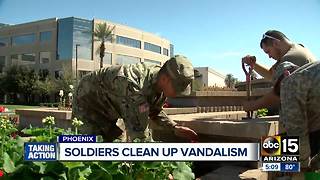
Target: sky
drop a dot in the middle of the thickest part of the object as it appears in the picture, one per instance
(213, 33)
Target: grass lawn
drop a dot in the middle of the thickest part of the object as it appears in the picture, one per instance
(14, 107)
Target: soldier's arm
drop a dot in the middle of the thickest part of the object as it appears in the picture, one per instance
(159, 118)
(260, 69)
(263, 71)
(162, 120)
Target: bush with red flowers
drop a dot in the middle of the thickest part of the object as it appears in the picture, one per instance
(2, 109)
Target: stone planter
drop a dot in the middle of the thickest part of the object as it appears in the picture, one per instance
(35, 116)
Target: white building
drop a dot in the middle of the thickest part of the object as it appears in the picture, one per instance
(211, 77)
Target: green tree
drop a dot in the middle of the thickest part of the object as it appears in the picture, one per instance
(10, 82)
(45, 88)
(27, 79)
(64, 81)
(102, 33)
(230, 81)
(19, 80)
(2, 92)
(1, 83)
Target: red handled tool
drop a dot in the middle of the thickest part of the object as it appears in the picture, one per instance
(248, 82)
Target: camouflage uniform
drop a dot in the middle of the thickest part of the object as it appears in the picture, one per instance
(128, 92)
(300, 102)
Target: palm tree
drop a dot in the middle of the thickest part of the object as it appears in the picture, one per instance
(102, 33)
(230, 81)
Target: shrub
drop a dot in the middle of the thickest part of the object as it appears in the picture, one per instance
(12, 165)
(262, 112)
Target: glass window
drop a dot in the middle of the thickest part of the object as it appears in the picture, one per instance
(65, 37)
(171, 50)
(28, 58)
(23, 39)
(165, 51)
(152, 47)
(72, 31)
(82, 35)
(45, 36)
(128, 42)
(107, 59)
(123, 59)
(152, 62)
(2, 63)
(4, 41)
(44, 57)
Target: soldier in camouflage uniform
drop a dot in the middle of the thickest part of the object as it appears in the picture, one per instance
(300, 107)
(135, 93)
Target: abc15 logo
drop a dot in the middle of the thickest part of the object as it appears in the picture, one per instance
(279, 145)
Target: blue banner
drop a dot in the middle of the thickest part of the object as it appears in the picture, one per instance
(39, 151)
(77, 138)
(290, 167)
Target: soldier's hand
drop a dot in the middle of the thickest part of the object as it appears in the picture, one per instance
(186, 132)
(248, 59)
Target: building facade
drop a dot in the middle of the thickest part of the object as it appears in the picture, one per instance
(52, 46)
(210, 77)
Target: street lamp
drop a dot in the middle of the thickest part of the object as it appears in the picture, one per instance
(77, 61)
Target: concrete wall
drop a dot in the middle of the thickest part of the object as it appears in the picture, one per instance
(214, 123)
(255, 84)
(215, 98)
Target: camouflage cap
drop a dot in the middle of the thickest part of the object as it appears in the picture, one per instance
(283, 69)
(181, 72)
